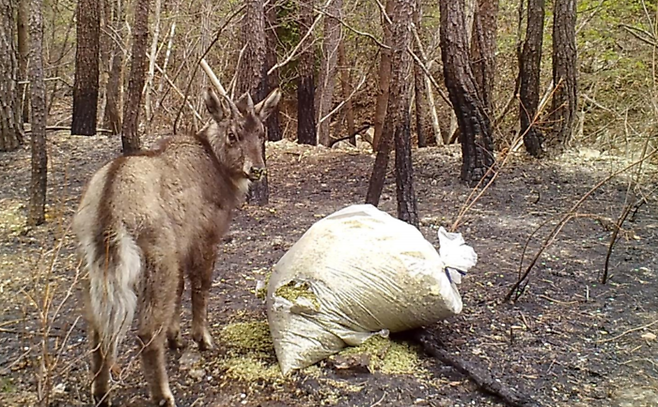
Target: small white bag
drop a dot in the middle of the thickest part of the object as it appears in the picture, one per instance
(356, 273)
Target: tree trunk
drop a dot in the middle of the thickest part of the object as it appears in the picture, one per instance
(152, 57)
(564, 70)
(130, 137)
(474, 126)
(114, 91)
(346, 87)
(423, 125)
(11, 125)
(483, 52)
(326, 83)
(252, 75)
(273, 126)
(529, 71)
(85, 86)
(38, 182)
(396, 125)
(23, 37)
(306, 133)
(384, 80)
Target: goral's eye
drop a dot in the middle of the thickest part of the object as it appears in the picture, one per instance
(232, 138)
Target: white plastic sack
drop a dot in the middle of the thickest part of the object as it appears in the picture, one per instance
(355, 273)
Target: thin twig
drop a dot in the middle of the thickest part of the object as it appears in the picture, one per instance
(639, 328)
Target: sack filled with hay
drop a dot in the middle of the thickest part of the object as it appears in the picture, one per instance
(356, 273)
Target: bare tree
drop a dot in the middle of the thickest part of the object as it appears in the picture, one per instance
(11, 125)
(529, 71)
(384, 79)
(39, 178)
(130, 136)
(152, 57)
(252, 76)
(474, 125)
(273, 126)
(327, 78)
(85, 86)
(396, 126)
(483, 51)
(306, 132)
(22, 17)
(346, 88)
(112, 37)
(564, 70)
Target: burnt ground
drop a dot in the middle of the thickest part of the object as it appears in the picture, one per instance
(568, 341)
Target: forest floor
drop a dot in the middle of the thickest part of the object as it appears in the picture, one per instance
(568, 341)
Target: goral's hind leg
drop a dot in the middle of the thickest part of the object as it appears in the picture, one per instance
(200, 272)
(101, 362)
(173, 333)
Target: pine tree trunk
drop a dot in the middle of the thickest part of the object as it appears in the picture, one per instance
(396, 130)
(130, 136)
(85, 86)
(306, 132)
(423, 126)
(564, 70)
(384, 81)
(346, 87)
(483, 51)
(273, 126)
(326, 83)
(529, 71)
(23, 37)
(38, 182)
(11, 125)
(252, 77)
(474, 126)
(114, 91)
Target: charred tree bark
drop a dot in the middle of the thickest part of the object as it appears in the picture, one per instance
(423, 125)
(346, 87)
(396, 125)
(11, 124)
(273, 126)
(384, 80)
(564, 70)
(130, 137)
(483, 52)
(326, 81)
(23, 37)
(114, 91)
(474, 125)
(529, 71)
(252, 75)
(306, 133)
(38, 181)
(85, 86)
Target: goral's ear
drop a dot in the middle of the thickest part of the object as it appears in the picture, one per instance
(215, 107)
(245, 104)
(265, 108)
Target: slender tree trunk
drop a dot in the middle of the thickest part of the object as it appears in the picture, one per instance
(85, 87)
(104, 52)
(130, 137)
(564, 70)
(529, 71)
(483, 52)
(306, 132)
(38, 182)
(273, 126)
(396, 126)
(152, 57)
(474, 126)
(253, 76)
(423, 126)
(11, 125)
(114, 92)
(170, 44)
(384, 80)
(326, 83)
(346, 87)
(23, 37)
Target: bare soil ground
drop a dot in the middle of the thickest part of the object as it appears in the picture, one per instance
(568, 341)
